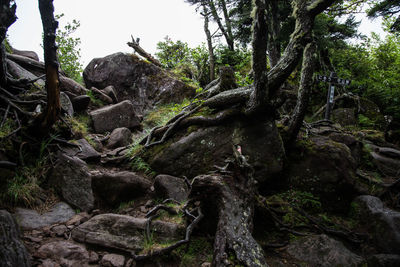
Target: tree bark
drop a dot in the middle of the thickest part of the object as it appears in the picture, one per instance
(7, 18)
(303, 94)
(259, 97)
(51, 64)
(228, 38)
(274, 46)
(209, 42)
(228, 22)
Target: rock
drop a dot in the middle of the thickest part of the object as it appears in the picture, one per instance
(344, 116)
(78, 219)
(388, 166)
(102, 96)
(321, 250)
(326, 169)
(12, 249)
(136, 80)
(19, 72)
(119, 137)
(31, 219)
(49, 263)
(200, 149)
(111, 92)
(355, 146)
(67, 84)
(86, 151)
(36, 67)
(66, 104)
(93, 257)
(64, 252)
(59, 230)
(112, 260)
(116, 187)
(70, 177)
(24, 53)
(80, 103)
(122, 232)
(167, 186)
(384, 260)
(383, 223)
(115, 116)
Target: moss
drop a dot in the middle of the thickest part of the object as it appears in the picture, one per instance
(200, 249)
(94, 100)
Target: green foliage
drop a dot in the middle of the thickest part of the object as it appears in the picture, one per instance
(140, 165)
(125, 205)
(7, 128)
(199, 249)
(79, 125)
(94, 100)
(68, 49)
(7, 45)
(162, 114)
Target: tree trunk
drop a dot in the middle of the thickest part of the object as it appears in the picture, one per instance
(233, 199)
(51, 64)
(258, 99)
(228, 22)
(209, 43)
(303, 94)
(135, 45)
(274, 46)
(7, 18)
(228, 38)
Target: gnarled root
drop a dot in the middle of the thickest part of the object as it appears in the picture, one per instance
(233, 199)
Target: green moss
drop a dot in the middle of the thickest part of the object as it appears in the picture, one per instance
(125, 205)
(94, 100)
(199, 249)
(140, 165)
(79, 125)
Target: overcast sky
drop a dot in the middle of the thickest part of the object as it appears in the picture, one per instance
(106, 26)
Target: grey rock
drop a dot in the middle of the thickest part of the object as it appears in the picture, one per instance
(116, 187)
(111, 92)
(112, 260)
(65, 253)
(93, 257)
(19, 72)
(167, 186)
(136, 80)
(384, 260)
(31, 219)
(86, 151)
(102, 96)
(80, 103)
(71, 178)
(66, 104)
(119, 137)
(321, 250)
(49, 263)
(122, 231)
(344, 116)
(59, 230)
(12, 249)
(198, 151)
(115, 116)
(29, 54)
(327, 169)
(386, 159)
(68, 84)
(383, 223)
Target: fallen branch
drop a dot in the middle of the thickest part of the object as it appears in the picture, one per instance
(135, 45)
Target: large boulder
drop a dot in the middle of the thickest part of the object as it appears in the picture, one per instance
(71, 178)
(115, 116)
(85, 151)
(123, 232)
(344, 116)
(133, 79)
(383, 223)
(326, 169)
(119, 137)
(30, 54)
(69, 85)
(115, 187)
(12, 250)
(31, 219)
(321, 250)
(199, 150)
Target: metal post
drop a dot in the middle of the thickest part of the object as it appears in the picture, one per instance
(330, 97)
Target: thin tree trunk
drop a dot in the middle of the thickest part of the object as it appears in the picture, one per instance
(274, 46)
(258, 99)
(228, 22)
(209, 43)
(303, 94)
(7, 18)
(51, 64)
(214, 12)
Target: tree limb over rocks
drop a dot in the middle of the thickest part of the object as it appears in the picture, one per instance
(135, 45)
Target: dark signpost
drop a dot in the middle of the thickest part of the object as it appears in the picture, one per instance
(332, 80)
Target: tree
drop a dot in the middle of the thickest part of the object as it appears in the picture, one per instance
(7, 18)
(386, 8)
(68, 49)
(50, 25)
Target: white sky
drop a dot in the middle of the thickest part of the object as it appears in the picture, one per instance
(106, 26)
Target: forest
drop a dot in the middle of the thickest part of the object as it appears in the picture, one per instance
(274, 143)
